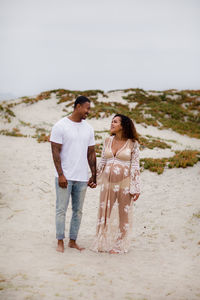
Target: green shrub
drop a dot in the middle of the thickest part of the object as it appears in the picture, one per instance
(14, 132)
(181, 159)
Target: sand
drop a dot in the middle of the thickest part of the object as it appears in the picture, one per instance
(164, 259)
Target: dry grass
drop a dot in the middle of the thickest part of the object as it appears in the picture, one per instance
(6, 113)
(14, 132)
(181, 159)
(42, 135)
(178, 110)
(176, 114)
(197, 215)
(152, 143)
(68, 95)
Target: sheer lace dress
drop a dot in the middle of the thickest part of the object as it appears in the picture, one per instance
(118, 176)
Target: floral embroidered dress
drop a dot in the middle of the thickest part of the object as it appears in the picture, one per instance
(118, 176)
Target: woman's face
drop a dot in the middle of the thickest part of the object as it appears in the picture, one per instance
(116, 126)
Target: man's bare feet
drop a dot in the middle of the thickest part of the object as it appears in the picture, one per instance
(73, 244)
(60, 247)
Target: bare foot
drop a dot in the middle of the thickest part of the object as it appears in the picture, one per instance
(114, 251)
(60, 247)
(73, 244)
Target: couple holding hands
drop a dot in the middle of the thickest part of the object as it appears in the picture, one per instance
(73, 148)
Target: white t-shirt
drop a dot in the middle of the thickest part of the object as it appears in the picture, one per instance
(75, 138)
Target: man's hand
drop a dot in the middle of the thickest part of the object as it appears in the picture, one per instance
(135, 196)
(62, 181)
(91, 155)
(92, 182)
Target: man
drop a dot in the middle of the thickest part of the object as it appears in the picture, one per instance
(72, 143)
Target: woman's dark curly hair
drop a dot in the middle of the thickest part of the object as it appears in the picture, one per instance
(128, 128)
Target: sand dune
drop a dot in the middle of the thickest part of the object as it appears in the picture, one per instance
(163, 262)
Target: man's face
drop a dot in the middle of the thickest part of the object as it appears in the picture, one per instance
(84, 110)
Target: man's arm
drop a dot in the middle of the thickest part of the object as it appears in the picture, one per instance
(56, 149)
(91, 155)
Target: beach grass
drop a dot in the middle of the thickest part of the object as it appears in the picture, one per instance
(181, 159)
(14, 132)
(177, 110)
(152, 143)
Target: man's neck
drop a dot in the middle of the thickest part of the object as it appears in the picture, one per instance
(75, 117)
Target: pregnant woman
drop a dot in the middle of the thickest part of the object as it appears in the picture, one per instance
(118, 174)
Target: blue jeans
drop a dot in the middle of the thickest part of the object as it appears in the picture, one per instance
(77, 190)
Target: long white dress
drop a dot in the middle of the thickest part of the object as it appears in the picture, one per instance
(118, 176)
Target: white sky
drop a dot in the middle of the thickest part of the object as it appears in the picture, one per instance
(98, 44)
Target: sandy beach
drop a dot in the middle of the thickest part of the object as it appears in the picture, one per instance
(164, 259)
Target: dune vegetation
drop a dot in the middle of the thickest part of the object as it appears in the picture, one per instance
(170, 109)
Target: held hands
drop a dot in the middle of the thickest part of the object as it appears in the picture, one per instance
(62, 181)
(135, 196)
(92, 182)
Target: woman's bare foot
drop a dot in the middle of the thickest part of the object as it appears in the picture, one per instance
(73, 244)
(60, 247)
(114, 251)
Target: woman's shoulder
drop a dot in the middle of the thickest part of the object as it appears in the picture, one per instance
(107, 139)
(107, 142)
(134, 144)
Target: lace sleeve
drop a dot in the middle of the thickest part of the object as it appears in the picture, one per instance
(135, 169)
(102, 162)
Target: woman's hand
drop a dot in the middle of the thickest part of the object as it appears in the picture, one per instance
(92, 182)
(135, 196)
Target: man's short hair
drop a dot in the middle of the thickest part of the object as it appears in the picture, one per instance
(80, 100)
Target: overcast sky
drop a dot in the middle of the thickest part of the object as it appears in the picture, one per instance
(104, 44)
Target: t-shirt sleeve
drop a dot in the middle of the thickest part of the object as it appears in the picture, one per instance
(92, 140)
(56, 134)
